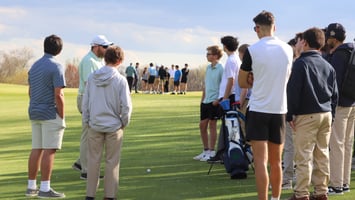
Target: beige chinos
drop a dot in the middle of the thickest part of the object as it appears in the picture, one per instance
(311, 142)
(341, 144)
(113, 144)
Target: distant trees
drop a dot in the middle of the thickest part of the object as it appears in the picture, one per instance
(14, 66)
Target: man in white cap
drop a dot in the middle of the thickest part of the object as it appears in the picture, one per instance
(90, 63)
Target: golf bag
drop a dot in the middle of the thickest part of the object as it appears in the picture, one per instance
(233, 151)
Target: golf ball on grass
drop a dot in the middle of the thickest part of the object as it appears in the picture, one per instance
(148, 170)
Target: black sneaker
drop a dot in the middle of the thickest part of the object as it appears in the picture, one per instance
(335, 190)
(214, 159)
(76, 167)
(346, 188)
(84, 176)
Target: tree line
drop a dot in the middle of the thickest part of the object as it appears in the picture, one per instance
(14, 66)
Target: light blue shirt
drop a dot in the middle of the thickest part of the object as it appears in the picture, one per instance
(213, 79)
(88, 64)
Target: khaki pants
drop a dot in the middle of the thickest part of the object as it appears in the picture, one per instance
(341, 145)
(311, 143)
(83, 139)
(112, 143)
(288, 154)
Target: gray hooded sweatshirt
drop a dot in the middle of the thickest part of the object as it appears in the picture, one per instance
(107, 102)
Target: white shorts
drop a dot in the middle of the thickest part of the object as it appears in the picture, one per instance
(48, 134)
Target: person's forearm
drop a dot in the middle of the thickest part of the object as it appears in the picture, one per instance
(229, 86)
(59, 100)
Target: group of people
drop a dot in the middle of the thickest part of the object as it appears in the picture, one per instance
(158, 79)
(300, 85)
(304, 90)
(105, 104)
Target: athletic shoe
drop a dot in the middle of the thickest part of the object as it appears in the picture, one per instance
(293, 197)
(208, 155)
(84, 176)
(335, 190)
(319, 197)
(346, 188)
(215, 159)
(50, 194)
(199, 156)
(287, 185)
(76, 167)
(31, 192)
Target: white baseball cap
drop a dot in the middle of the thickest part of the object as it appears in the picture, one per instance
(100, 40)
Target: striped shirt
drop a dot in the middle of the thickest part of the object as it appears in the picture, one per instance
(45, 75)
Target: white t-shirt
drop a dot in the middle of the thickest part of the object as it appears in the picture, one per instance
(172, 73)
(271, 66)
(230, 69)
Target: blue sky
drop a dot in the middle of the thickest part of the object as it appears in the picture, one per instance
(160, 31)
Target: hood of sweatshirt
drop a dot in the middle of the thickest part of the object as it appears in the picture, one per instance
(103, 76)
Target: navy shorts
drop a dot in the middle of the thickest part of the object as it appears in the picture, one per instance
(265, 126)
(209, 111)
(151, 79)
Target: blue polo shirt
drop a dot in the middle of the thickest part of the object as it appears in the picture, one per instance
(213, 79)
(45, 75)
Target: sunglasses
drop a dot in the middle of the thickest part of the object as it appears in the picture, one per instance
(104, 46)
(256, 27)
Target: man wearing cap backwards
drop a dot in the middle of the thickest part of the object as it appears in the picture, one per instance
(90, 63)
(342, 137)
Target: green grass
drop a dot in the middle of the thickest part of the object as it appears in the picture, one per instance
(163, 136)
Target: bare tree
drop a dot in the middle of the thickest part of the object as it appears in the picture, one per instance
(72, 73)
(13, 62)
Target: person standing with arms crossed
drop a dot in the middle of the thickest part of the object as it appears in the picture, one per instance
(91, 62)
(269, 60)
(46, 111)
(107, 109)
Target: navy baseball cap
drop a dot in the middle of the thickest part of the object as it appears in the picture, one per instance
(336, 31)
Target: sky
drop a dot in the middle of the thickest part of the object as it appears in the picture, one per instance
(163, 32)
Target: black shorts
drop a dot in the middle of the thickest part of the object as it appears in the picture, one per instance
(209, 111)
(265, 126)
(176, 83)
(184, 80)
(151, 79)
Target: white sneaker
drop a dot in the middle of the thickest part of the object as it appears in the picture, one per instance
(200, 156)
(212, 153)
(206, 156)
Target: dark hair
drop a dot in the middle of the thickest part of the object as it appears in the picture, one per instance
(264, 18)
(113, 54)
(314, 37)
(151, 64)
(215, 50)
(230, 42)
(53, 45)
(292, 42)
(299, 36)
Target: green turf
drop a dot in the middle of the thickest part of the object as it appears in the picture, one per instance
(163, 136)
